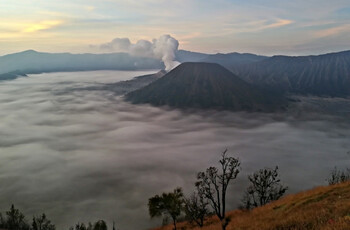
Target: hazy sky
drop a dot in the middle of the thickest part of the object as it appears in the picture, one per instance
(259, 26)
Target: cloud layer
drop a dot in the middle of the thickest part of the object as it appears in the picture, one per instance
(87, 155)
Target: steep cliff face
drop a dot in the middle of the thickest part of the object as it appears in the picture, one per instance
(327, 75)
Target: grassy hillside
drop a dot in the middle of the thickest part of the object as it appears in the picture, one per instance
(322, 208)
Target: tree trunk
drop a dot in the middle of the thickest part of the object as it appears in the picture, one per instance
(224, 224)
(174, 222)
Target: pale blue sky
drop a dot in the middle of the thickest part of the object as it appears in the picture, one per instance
(259, 26)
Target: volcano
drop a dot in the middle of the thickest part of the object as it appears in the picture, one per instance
(206, 86)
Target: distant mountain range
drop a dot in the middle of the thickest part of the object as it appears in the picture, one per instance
(31, 61)
(323, 75)
(233, 60)
(229, 60)
(189, 56)
(205, 85)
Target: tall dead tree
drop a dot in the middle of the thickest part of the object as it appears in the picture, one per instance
(213, 183)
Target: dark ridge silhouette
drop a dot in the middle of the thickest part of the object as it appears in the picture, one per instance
(205, 85)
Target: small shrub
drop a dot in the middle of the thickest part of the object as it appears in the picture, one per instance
(338, 176)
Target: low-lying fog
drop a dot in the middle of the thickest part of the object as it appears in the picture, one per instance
(82, 155)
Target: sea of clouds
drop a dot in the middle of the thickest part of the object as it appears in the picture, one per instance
(81, 155)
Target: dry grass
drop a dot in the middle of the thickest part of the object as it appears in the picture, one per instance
(322, 208)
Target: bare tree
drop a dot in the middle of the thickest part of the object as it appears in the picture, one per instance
(265, 186)
(42, 223)
(167, 205)
(196, 208)
(213, 184)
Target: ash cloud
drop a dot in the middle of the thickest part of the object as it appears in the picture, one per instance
(163, 48)
(87, 155)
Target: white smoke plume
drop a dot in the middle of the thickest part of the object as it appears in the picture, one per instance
(163, 48)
